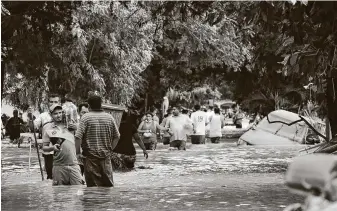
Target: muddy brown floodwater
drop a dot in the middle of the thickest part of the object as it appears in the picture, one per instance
(205, 177)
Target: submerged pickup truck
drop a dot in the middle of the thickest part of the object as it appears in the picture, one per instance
(274, 130)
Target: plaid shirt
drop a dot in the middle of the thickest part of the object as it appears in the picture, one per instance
(97, 130)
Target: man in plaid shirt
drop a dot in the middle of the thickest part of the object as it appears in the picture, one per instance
(98, 135)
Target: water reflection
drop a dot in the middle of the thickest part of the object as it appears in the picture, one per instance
(205, 177)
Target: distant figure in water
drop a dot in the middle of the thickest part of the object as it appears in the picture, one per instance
(216, 122)
(165, 106)
(148, 128)
(13, 127)
(166, 136)
(238, 117)
(199, 120)
(153, 112)
(179, 126)
(124, 155)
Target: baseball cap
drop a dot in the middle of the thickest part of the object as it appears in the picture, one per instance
(53, 107)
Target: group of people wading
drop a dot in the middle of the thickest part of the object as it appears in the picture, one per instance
(73, 148)
(86, 148)
(178, 124)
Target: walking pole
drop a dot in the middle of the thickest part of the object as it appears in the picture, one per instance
(30, 150)
(36, 145)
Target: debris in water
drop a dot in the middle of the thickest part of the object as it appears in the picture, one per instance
(144, 167)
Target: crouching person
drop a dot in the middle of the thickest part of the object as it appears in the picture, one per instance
(66, 170)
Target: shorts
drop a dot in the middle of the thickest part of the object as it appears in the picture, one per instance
(180, 144)
(150, 143)
(215, 140)
(122, 162)
(198, 139)
(98, 172)
(67, 175)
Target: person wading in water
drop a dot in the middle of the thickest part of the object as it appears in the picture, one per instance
(149, 128)
(124, 156)
(179, 126)
(216, 122)
(13, 127)
(199, 120)
(166, 136)
(42, 120)
(98, 135)
(66, 170)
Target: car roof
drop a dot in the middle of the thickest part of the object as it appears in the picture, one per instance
(285, 116)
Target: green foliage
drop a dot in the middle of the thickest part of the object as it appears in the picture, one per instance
(85, 46)
(296, 44)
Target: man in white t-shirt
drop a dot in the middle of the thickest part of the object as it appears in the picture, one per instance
(199, 120)
(39, 123)
(179, 126)
(210, 113)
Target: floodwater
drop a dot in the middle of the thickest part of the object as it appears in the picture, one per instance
(205, 177)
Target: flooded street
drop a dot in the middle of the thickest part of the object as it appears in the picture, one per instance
(205, 177)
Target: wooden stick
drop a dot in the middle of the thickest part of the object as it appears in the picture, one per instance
(37, 148)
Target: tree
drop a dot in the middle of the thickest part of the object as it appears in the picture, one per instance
(295, 44)
(27, 41)
(85, 46)
(196, 41)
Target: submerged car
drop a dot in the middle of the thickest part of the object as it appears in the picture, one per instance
(278, 128)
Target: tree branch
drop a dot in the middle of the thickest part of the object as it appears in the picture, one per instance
(93, 46)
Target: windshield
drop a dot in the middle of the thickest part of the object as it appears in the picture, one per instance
(279, 129)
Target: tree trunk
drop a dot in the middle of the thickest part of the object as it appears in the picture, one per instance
(3, 75)
(332, 103)
(331, 95)
(146, 96)
(327, 129)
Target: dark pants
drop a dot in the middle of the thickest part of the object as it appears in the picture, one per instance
(82, 169)
(150, 146)
(166, 140)
(98, 172)
(215, 140)
(181, 145)
(122, 162)
(48, 164)
(198, 139)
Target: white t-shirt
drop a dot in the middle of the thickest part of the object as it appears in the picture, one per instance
(209, 114)
(215, 126)
(199, 120)
(177, 125)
